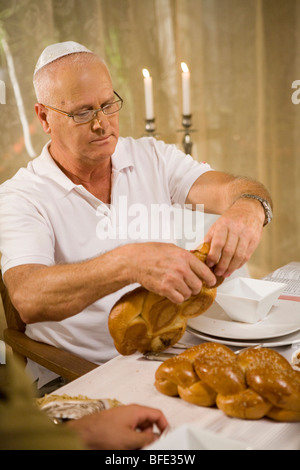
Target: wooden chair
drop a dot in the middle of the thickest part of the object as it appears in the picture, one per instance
(61, 362)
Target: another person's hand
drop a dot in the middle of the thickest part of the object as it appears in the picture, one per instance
(122, 428)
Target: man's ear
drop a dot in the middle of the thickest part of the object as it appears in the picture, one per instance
(43, 117)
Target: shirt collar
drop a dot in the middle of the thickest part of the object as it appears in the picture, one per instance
(121, 157)
(45, 165)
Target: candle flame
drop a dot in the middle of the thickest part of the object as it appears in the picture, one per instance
(184, 67)
(146, 73)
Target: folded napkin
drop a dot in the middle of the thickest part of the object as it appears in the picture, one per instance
(193, 437)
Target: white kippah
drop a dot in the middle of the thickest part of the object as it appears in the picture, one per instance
(55, 51)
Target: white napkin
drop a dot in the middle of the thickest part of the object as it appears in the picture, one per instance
(193, 437)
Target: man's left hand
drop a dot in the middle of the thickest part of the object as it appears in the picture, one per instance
(234, 236)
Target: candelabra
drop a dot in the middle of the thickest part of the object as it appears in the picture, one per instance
(186, 124)
(187, 140)
(150, 127)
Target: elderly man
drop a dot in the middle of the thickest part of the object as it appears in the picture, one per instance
(62, 274)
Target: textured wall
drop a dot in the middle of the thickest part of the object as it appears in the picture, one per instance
(243, 57)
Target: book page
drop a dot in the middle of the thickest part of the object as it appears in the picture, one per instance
(289, 275)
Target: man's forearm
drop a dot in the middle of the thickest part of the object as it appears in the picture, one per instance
(218, 191)
(54, 293)
(241, 186)
(42, 293)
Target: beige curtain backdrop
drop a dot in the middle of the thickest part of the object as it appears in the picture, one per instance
(243, 57)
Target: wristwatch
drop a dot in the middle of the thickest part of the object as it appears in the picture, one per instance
(266, 206)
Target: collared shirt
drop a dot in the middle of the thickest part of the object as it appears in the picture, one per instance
(47, 219)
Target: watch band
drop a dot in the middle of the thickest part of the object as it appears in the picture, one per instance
(266, 206)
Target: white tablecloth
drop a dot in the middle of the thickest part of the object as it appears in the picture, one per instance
(130, 380)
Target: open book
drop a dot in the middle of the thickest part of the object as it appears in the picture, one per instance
(290, 275)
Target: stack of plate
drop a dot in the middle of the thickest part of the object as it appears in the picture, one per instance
(281, 327)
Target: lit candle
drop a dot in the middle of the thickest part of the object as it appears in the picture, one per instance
(148, 94)
(185, 76)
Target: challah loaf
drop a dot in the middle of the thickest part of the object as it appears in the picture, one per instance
(250, 385)
(144, 321)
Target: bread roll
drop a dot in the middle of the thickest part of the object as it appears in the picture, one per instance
(144, 321)
(147, 322)
(251, 385)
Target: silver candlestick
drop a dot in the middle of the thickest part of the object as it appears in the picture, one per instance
(150, 127)
(187, 140)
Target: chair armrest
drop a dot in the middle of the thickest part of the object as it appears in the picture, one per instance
(61, 362)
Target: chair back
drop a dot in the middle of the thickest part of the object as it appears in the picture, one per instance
(62, 363)
(12, 316)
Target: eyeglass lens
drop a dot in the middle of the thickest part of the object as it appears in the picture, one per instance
(91, 114)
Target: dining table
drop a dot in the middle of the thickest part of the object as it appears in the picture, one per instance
(130, 379)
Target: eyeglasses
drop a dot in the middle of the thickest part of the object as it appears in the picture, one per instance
(90, 114)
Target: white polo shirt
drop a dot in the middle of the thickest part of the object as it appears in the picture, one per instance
(47, 219)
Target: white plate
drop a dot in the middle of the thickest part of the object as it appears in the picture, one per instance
(286, 340)
(283, 319)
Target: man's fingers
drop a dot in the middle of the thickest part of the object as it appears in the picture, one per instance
(235, 252)
(217, 240)
(229, 255)
(147, 416)
(203, 273)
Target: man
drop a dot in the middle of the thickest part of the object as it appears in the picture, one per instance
(24, 427)
(63, 275)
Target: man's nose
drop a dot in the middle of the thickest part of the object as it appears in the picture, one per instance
(100, 121)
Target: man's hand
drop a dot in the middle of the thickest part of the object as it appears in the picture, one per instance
(168, 270)
(123, 428)
(234, 236)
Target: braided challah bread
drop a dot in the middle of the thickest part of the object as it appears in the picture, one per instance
(250, 385)
(144, 321)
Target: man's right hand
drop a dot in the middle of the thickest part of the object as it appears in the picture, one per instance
(168, 270)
